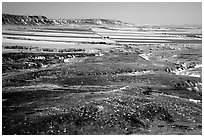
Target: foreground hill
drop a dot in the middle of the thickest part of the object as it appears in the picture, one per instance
(117, 92)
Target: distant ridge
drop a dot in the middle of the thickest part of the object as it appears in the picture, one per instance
(25, 20)
(9, 19)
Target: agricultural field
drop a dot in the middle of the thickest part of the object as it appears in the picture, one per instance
(107, 79)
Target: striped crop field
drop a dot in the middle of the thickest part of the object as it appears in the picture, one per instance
(55, 38)
(97, 37)
(135, 36)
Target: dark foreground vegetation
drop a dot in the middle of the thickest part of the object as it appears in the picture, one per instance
(117, 92)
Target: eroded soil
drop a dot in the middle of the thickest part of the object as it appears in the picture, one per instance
(117, 92)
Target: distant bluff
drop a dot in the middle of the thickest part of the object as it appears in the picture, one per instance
(8, 19)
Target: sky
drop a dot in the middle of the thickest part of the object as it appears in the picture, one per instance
(166, 13)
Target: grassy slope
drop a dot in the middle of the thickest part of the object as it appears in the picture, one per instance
(105, 103)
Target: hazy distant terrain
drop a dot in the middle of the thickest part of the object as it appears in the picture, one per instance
(100, 76)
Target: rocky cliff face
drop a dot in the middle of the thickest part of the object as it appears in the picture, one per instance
(88, 21)
(25, 20)
(8, 19)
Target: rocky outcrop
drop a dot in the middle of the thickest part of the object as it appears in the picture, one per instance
(8, 19)
(25, 20)
(90, 21)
